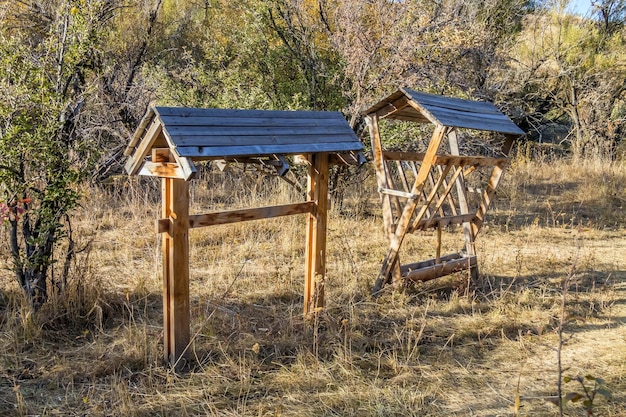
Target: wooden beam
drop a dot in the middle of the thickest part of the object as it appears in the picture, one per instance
(315, 258)
(175, 207)
(446, 191)
(441, 269)
(381, 179)
(468, 231)
(136, 160)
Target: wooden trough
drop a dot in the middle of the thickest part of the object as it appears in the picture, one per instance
(169, 140)
(421, 191)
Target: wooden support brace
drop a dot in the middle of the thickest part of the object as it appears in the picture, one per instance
(404, 223)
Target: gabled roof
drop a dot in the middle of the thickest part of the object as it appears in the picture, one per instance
(193, 134)
(410, 105)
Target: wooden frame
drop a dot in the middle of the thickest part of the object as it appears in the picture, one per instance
(167, 143)
(440, 181)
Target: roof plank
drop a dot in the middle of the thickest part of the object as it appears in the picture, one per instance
(264, 149)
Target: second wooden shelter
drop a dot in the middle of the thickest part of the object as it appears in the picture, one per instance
(421, 191)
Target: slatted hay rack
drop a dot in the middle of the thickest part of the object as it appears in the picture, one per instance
(422, 191)
(170, 140)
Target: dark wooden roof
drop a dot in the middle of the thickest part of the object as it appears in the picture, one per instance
(201, 134)
(410, 105)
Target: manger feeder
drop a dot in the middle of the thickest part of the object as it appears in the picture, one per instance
(429, 190)
(170, 140)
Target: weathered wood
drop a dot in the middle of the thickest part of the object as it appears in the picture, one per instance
(315, 257)
(446, 191)
(480, 161)
(232, 133)
(490, 190)
(175, 207)
(452, 103)
(244, 215)
(444, 221)
(246, 119)
(441, 269)
(404, 222)
(161, 169)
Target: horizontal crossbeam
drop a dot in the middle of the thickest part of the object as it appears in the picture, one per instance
(447, 159)
(243, 215)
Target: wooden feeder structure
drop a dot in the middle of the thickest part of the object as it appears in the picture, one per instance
(429, 190)
(170, 140)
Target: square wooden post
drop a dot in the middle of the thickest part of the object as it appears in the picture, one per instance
(175, 208)
(315, 261)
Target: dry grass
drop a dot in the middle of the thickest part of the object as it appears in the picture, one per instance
(427, 351)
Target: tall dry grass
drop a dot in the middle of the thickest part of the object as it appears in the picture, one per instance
(428, 351)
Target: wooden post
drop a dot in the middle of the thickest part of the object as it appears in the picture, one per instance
(175, 207)
(315, 261)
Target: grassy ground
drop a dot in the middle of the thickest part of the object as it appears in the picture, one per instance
(428, 351)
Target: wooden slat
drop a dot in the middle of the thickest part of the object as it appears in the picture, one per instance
(452, 102)
(397, 193)
(277, 133)
(470, 121)
(136, 160)
(217, 152)
(162, 170)
(429, 262)
(404, 223)
(240, 113)
(468, 232)
(442, 269)
(244, 215)
(444, 221)
(446, 159)
(392, 107)
(381, 179)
